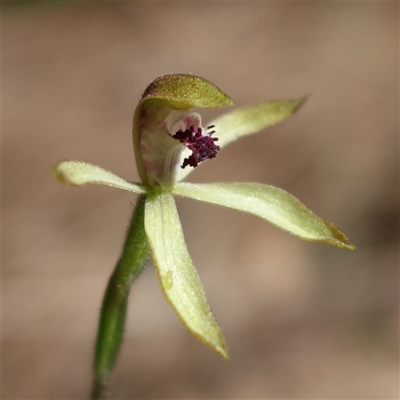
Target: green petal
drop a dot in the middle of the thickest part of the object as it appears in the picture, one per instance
(78, 173)
(176, 272)
(171, 92)
(248, 120)
(268, 202)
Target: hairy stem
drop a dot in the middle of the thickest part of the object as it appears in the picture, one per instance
(113, 312)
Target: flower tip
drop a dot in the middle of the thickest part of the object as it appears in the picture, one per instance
(338, 238)
(224, 353)
(346, 245)
(220, 347)
(66, 172)
(58, 174)
(350, 246)
(301, 101)
(217, 344)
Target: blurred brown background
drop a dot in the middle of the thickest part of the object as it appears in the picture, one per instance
(303, 320)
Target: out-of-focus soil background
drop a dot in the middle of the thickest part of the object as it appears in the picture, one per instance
(302, 320)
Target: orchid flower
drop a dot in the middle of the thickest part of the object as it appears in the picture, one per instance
(169, 141)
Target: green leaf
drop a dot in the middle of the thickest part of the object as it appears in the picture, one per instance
(248, 120)
(176, 272)
(270, 203)
(78, 173)
(171, 92)
(131, 263)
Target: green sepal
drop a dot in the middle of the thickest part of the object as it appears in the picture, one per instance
(270, 203)
(79, 173)
(183, 91)
(177, 274)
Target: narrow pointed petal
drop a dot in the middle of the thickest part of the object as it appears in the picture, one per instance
(78, 173)
(270, 203)
(176, 272)
(248, 120)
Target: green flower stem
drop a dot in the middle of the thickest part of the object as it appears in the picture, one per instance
(113, 312)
